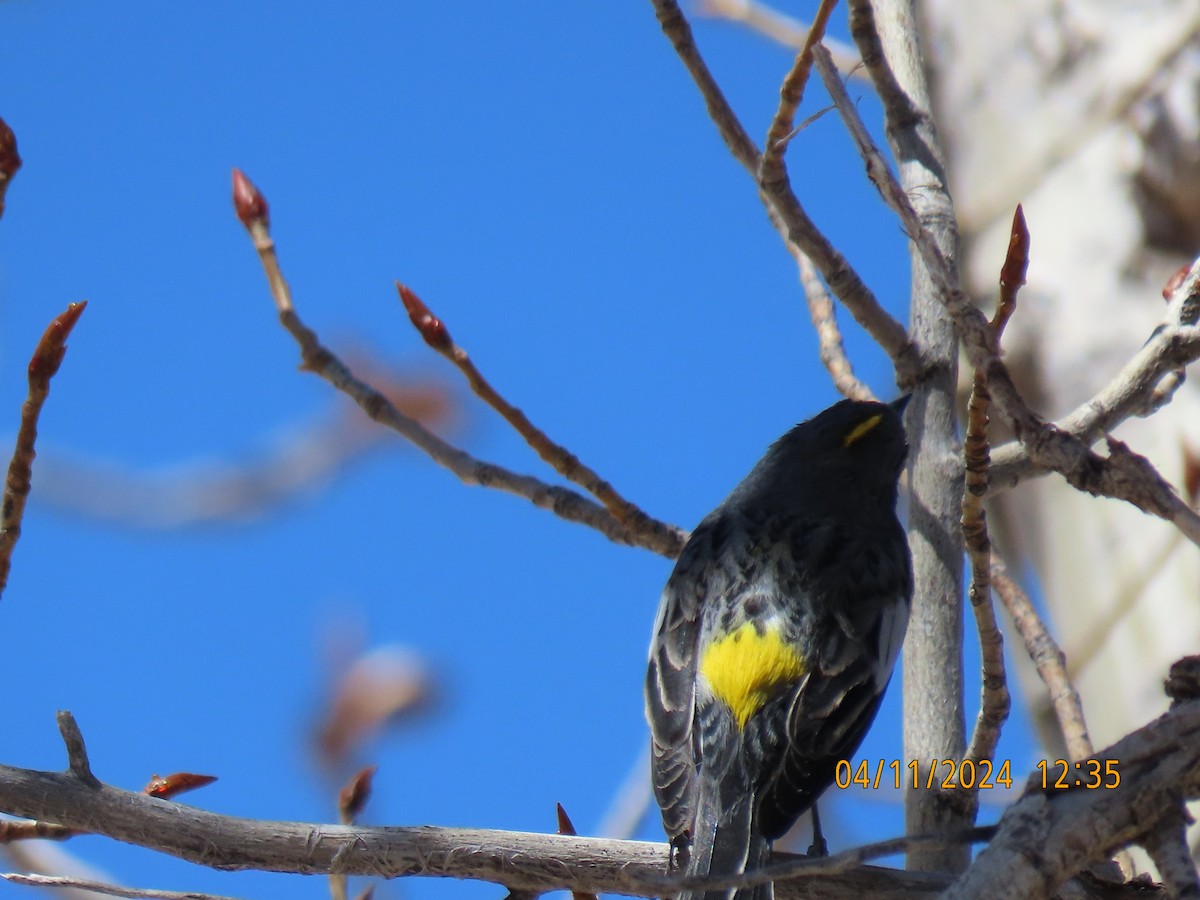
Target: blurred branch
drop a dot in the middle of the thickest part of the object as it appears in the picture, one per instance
(10, 160)
(1047, 658)
(658, 536)
(781, 28)
(632, 800)
(59, 882)
(47, 357)
(190, 493)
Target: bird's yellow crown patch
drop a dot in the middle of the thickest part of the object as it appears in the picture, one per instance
(743, 668)
(861, 429)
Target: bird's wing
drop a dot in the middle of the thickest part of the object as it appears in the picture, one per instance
(671, 678)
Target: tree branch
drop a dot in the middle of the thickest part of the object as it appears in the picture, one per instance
(934, 726)
(1047, 836)
(784, 209)
(47, 357)
(653, 535)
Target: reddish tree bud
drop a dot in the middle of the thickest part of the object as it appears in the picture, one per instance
(1191, 474)
(171, 785)
(354, 795)
(1176, 280)
(565, 825)
(248, 202)
(51, 349)
(1016, 262)
(10, 160)
(429, 325)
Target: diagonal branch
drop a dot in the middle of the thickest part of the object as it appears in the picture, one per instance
(1048, 659)
(791, 93)
(1123, 474)
(435, 333)
(784, 209)
(47, 357)
(660, 537)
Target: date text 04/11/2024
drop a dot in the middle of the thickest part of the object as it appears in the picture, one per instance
(984, 774)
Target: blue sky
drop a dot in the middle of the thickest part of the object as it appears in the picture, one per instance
(545, 177)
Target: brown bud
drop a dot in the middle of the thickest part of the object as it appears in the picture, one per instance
(1176, 280)
(51, 349)
(249, 204)
(10, 160)
(172, 785)
(429, 325)
(354, 795)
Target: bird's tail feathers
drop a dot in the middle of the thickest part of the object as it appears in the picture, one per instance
(725, 842)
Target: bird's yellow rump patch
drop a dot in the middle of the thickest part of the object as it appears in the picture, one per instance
(858, 431)
(743, 668)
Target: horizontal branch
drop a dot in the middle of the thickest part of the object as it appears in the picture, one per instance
(517, 860)
(1158, 765)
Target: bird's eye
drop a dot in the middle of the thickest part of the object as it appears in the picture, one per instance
(861, 430)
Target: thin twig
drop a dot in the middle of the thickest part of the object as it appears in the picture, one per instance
(784, 209)
(1171, 346)
(660, 537)
(995, 701)
(791, 93)
(77, 756)
(829, 335)
(47, 357)
(435, 333)
(1047, 658)
(59, 882)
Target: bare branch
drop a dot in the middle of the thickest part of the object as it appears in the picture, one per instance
(47, 357)
(1174, 344)
(563, 461)
(1167, 846)
(1122, 474)
(995, 703)
(781, 28)
(934, 726)
(99, 887)
(829, 334)
(657, 536)
(1049, 835)
(1047, 658)
(791, 93)
(784, 209)
(77, 757)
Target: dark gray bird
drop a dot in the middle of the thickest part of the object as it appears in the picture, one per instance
(776, 636)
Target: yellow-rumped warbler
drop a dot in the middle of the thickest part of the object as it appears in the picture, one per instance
(775, 638)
